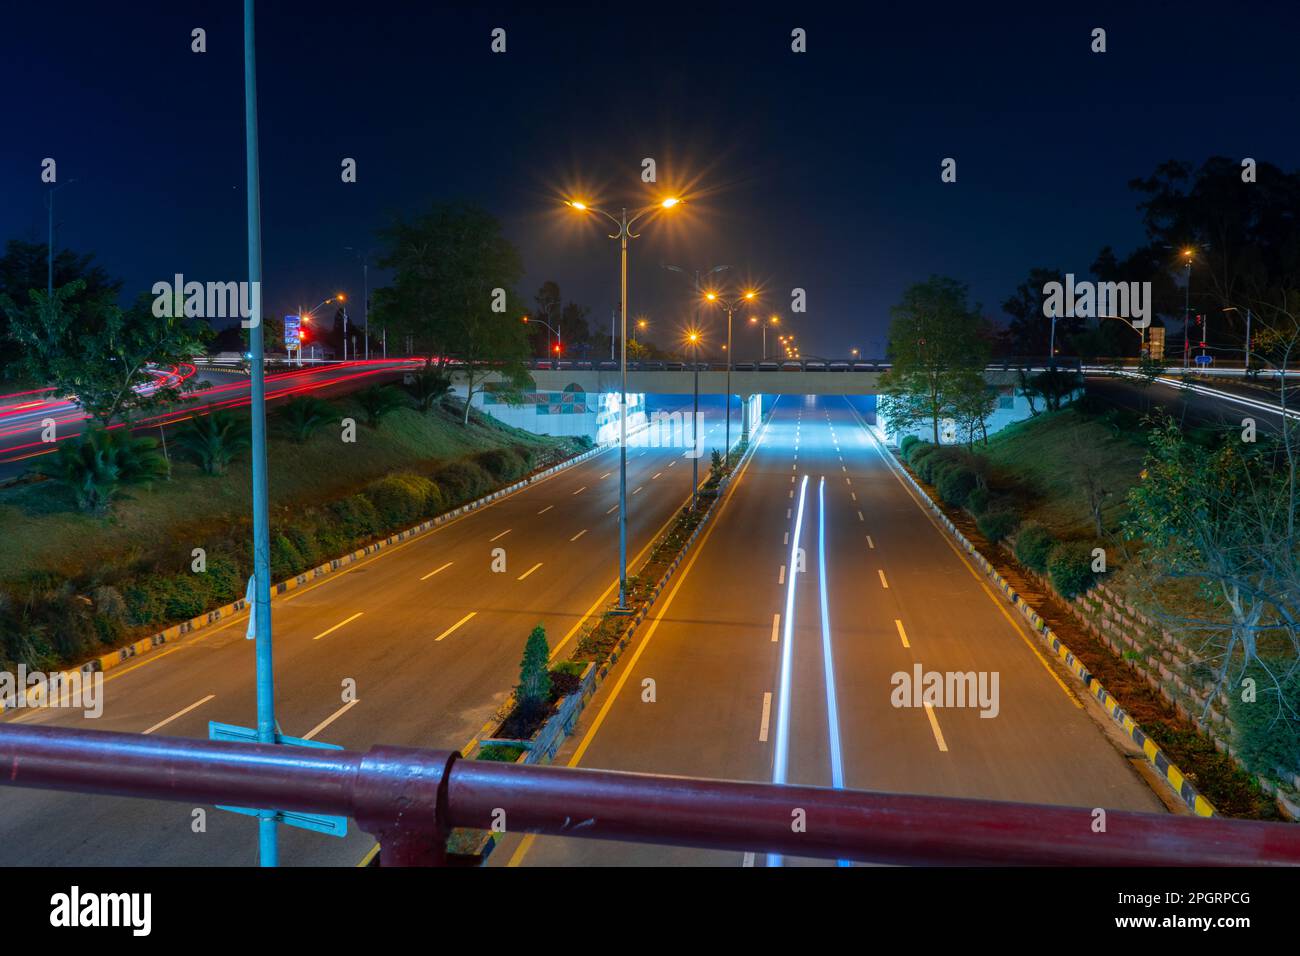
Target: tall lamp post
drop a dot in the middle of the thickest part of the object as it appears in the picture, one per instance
(1188, 254)
(772, 320)
(623, 223)
(49, 252)
(731, 306)
(1233, 308)
(364, 259)
(693, 340)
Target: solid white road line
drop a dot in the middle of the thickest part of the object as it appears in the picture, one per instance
(454, 626)
(337, 626)
(767, 714)
(180, 713)
(529, 571)
(501, 535)
(578, 535)
(934, 725)
(311, 734)
(435, 571)
(902, 633)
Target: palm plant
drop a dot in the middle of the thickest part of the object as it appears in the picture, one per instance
(212, 441)
(306, 414)
(98, 463)
(428, 387)
(378, 400)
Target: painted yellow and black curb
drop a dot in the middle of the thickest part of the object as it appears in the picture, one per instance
(120, 656)
(1176, 779)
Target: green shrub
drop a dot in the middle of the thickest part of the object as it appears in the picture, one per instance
(305, 542)
(1070, 567)
(956, 484)
(401, 500)
(462, 481)
(355, 518)
(933, 465)
(503, 464)
(919, 450)
(996, 525)
(286, 560)
(499, 753)
(534, 674)
(977, 502)
(1034, 545)
(905, 445)
(1266, 730)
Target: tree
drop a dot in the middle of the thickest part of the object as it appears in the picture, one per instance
(534, 672)
(101, 355)
(454, 273)
(1054, 386)
(935, 338)
(1030, 331)
(96, 465)
(1224, 519)
(23, 267)
(971, 402)
(212, 441)
(304, 414)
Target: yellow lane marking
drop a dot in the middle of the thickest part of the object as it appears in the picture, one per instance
(456, 625)
(529, 571)
(331, 630)
(902, 633)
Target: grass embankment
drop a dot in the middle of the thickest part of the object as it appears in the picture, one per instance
(73, 585)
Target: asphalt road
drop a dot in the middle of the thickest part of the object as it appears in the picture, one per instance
(1205, 402)
(743, 690)
(431, 636)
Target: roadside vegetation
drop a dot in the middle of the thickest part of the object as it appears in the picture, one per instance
(113, 540)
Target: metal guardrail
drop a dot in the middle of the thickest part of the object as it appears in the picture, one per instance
(411, 799)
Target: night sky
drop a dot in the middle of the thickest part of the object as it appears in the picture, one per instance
(818, 170)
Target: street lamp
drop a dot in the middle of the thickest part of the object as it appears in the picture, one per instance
(364, 259)
(624, 226)
(310, 314)
(731, 306)
(693, 340)
(772, 320)
(1233, 308)
(550, 329)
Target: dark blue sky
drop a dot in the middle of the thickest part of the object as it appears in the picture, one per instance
(818, 170)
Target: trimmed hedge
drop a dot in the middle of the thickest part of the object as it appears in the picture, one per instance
(956, 484)
(906, 444)
(403, 499)
(1034, 545)
(462, 481)
(977, 502)
(1070, 567)
(1266, 730)
(996, 525)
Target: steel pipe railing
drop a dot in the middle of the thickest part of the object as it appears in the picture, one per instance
(411, 799)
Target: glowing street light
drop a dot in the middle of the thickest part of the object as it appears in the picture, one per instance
(692, 339)
(623, 223)
(731, 306)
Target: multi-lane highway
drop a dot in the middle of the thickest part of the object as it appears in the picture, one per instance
(763, 668)
(427, 633)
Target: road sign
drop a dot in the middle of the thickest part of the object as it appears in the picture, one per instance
(1204, 360)
(319, 822)
(292, 326)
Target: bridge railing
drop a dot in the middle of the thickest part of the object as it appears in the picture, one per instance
(411, 799)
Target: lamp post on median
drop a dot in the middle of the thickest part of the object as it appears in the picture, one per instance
(624, 226)
(693, 340)
(731, 306)
(772, 320)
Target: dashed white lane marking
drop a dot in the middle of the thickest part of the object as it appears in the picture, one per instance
(871, 544)
(456, 625)
(780, 578)
(902, 633)
(180, 713)
(546, 509)
(578, 535)
(501, 535)
(791, 492)
(612, 510)
(767, 716)
(436, 570)
(788, 512)
(786, 538)
(331, 718)
(776, 627)
(605, 475)
(638, 488)
(581, 490)
(655, 475)
(853, 495)
(860, 518)
(934, 725)
(883, 582)
(529, 571)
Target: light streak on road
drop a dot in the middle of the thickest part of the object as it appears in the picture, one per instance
(828, 655)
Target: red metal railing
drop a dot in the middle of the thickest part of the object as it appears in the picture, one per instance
(411, 799)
